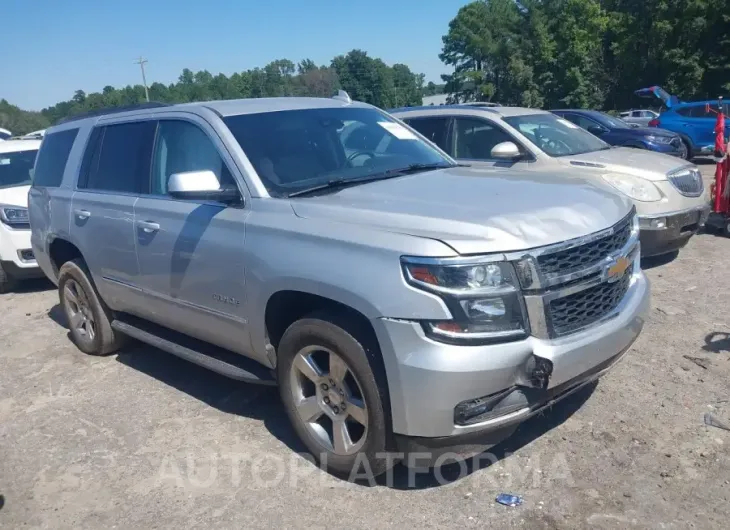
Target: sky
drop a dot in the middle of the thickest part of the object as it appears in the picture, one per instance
(52, 48)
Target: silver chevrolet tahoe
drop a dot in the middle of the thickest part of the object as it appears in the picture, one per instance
(400, 301)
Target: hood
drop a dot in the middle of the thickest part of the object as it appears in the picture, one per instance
(15, 196)
(639, 132)
(627, 160)
(474, 211)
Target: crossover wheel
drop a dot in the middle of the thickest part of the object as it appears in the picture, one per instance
(332, 397)
(89, 319)
(6, 281)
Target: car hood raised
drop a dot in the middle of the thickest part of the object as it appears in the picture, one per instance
(474, 211)
(627, 160)
(15, 196)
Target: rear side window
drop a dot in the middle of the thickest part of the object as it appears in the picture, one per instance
(695, 111)
(118, 157)
(52, 158)
(435, 129)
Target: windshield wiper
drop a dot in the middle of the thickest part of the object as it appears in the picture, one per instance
(340, 183)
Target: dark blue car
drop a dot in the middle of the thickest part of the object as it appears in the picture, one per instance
(617, 132)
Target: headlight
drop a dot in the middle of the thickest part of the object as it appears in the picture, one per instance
(660, 139)
(483, 298)
(634, 187)
(13, 216)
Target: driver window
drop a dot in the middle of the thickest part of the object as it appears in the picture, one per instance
(475, 138)
(182, 146)
(580, 121)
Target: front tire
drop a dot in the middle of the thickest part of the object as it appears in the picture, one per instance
(6, 281)
(687, 155)
(89, 319)
(332, 396)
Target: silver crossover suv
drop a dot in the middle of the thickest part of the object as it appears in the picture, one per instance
(668, 192)
(397, 299)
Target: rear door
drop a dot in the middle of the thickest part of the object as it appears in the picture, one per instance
(699, 124)
(113, 170)
(435, 128)
(191, 252)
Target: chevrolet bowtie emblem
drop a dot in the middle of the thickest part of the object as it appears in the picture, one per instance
(617, 269)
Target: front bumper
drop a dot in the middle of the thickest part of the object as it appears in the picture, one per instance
(427, 379)
(665, 233)
(16, 253)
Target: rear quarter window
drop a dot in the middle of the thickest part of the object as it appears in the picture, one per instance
(52, 158)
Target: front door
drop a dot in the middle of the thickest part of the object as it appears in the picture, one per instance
(191, 252)
(473, 140)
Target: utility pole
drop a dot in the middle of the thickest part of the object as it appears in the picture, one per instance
(141, 62)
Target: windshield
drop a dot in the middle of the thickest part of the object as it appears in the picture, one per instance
(556, 136)
(16, 168)
(298, 149)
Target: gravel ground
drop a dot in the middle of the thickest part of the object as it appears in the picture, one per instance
(144, 440)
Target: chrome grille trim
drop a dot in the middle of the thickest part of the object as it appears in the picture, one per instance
(688, 182)
(538, 279)
(544, 289)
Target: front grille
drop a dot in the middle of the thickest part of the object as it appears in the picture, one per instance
(588, 254)
(577, 311)
(688, 183)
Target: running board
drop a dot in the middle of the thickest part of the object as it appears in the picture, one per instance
(163, 339)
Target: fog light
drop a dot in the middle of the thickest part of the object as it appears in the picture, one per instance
(652, 223)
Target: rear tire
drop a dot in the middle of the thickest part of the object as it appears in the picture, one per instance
(313, 354)
(6, 281)
(89, 318)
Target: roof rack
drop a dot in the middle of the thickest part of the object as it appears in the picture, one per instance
(113, 110)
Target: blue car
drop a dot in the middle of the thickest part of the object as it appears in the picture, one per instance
(694, 122)
(617, 132)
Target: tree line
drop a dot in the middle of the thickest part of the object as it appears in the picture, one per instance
(587, 53)
(363, 77)
(535, 53)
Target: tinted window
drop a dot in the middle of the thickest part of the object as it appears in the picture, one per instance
(696, 111)
(120, 160)
(434, 129)
(52, 158)
(16, 168)
(4, 135)
(180, 147)
(474, 138)
(298, 149)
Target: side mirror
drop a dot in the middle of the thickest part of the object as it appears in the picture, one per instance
(506, 151)
(596, 129)
(200, 186)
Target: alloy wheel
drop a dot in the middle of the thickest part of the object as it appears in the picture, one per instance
(329, 400)
(78, 311)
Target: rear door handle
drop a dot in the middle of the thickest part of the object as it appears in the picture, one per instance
(148, 226)
(82, 214)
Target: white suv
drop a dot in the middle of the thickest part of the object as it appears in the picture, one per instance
(16, 257)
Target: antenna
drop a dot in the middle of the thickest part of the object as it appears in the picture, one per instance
(343, 96)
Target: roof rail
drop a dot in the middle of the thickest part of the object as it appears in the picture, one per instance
(113, 110)
(343, 96)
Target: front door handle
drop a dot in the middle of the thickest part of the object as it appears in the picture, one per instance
(148, 226)
(82, 214)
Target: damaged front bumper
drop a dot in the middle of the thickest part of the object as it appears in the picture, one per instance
(443, 395)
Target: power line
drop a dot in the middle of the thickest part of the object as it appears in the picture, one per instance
(141, 62)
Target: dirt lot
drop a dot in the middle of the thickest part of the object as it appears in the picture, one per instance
(144, 440)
